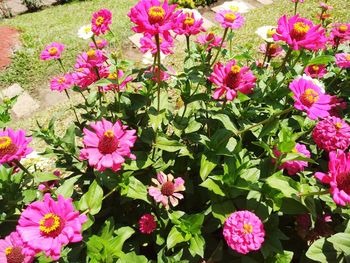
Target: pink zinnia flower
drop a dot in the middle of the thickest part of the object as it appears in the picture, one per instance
(342, 60)
(332, 134)
(273, 51)
(152, 73)
(148, 43)
(121, 80)
(229, 19)
(310, 98)
(337, 104)
(61, 83)
(316, 71)
(101, 21)
(188, 24)
(338, 177)
(230, 79)
(295, 166)
(297, 1)
(244, 232)
(167, 189)
(340, 33)
(100, 44)
(209, 41)
(325, 7)
(48, 225)
(150, 16)
(90, 59)
(84, 77)
(11, 250)
(106, 145)
(13, 145)
(147, 224)
(52, 51)
(300, 33)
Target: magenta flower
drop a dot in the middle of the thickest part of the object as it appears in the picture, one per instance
(229, 19)
(101, 21)
(325, 7)
(61, 83)
(48, 225)
(13, 145)
(52, 51)
(100, 44)
(11, 250)
(147, 224)
(294, 166)
(188, 24)
(84, 77)
(297, 1)
(152, 17)
(148, 43)
(273, 51)
(300, 33)
(167, 189)
(338, 177)
(342, 60)
(332, 134)
(340, 33)
(244, 232)
(106, 145)
(316, 71)
(153, 74)
(209, 41)
(230, 79)
(90, 59)
(310, 98)
(121, 80)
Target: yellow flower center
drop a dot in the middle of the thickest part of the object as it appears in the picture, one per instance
(156, 14)
(99, 41)
(53, 51)
(113, 75)
(8, 250)
(338, 125)
(234, 8)
(301, 28)
(248, 228)
(230, 17)
(5, 142)
(61, 80)
(91, 53)
(348, 57)
(294, 150)
(343, 28)
(235, 69)
(315, 68)
(50, 224)
(270, 32)
(109, 134)
(87, 29)
(99, 20)
(189, 21)
(309, 97)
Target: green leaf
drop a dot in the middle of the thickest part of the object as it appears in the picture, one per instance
(66, 189)
(341, 241)
(44, 177)
(174, 237)
(197, 244)
(137, 190)
(285, 257)
(212, 186)
(226, 121)
(324, 59)
(242, 97)
(222, 210)
(171, 146)
(132, 257)
(92, 199)
(208, 163)
(123, 234)
(284, 184)
(323, 251)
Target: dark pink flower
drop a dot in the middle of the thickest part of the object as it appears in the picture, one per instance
(340, 33)
(188, 24)
(61, 83)
(101, 21)
(147, 224)
(209, 40)
(90, 59)
(148, 43)
(101, 43)
(52, 51)
(229, 19)
(273, 51)
(11, 250)
(152, 73)
(316, 71)
(121, 80)
(342, 60)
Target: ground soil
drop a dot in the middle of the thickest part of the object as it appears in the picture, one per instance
(10, 41)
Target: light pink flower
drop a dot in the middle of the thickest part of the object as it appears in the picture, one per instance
(294, 166)
(148, 43)
(273, 51)
(90, 59)
(11, 250)
(120, 79)
(338, 177)
(61, 83)
(332, 134)
(101, 21)
(52, 51)
(244, 232)
(147, 224)
(229, 19)
(209, 40)
(153, 17)
(316, 71)
(310, 98)
(106, 145)
(340, 33)
(188, 24)
(325, 7)
(13, 145)
(231, 78)
(101, 43)
(48, 225)
(342, 60)
(167, 189)
(299, 33)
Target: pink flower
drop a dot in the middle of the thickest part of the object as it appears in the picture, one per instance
(61, 83)
(300, 33)
(244, 232)
(310, 98)
(337, 104)
(340, 33)
(332, 134)
(52, 51)
(209, 41)
(106, 145)
(297, 1)
(46, 226)
(229, 19)
(147, 224)
(101, 21)
(342, 60)
(316, 71)
(148, 43)
(153, 74)
(152, 17)
(120, 79)
(11, 250)
(188, 24)
(101, 43)
(338, 177)
(273, 51)
(294, 166)
(90, 59)
(13, 145)
(325, 7)
(167, 189)
(230, 79)
(84, 77)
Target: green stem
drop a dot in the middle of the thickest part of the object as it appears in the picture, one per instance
(75, 113)
(188, 44)
(266, 52)
(219, 51)
(295, 7)
(336, 77)
(231, 44)
(62, 66)
(158, 73)
(94, 41)
(314, 193)
(18, 163)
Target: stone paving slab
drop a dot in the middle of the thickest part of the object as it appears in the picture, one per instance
(234, 3)
(265, 2)
(11, 91)
(16, 7)
(135, 39)
(25, 106)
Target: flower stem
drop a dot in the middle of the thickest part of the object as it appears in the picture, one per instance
(295, 7)
(219, 51)
(158, 73)
(18, 163)
(336, 77)
(188, 44)
(314, 193)
(62, 66)
(266, 52)
(75, 113)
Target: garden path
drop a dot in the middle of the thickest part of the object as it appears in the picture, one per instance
(16, 7)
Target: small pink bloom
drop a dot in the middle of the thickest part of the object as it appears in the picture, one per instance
(244, 232)
(90, 59)
(147, 224)
(231, 78)
(229, 19)
(47, 186)
(209, 40)
(101, 21)
(297, 1)
(148, 43)
(316, 71)
(61, 83)
(325, 7)
(338, 177)
(332, 134)
(48, 225)
(13, 145)
(304, 221)
(121, 80)
(106, 145)
(152, 73)
(310, 98)
(299, 33)
(342, 60)
(188, 24)
(11, 250)
(166, 189)
(340, 33)
(52, 51)
(101, 43)
(273, 51)
(337, 105)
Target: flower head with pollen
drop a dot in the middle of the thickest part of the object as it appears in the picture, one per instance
(229, 19)
(266, 33)
(156, 14)
(343, 60)
(61, 83)
(11, 250)
(85, 32)
(209, 40)
(147, 224)
(101, 21)
(235, 69)
(300, 29)
(51, 225)
(340, 33)
(190, 22)
(316, 71)
(52, 51)
(309, 97)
